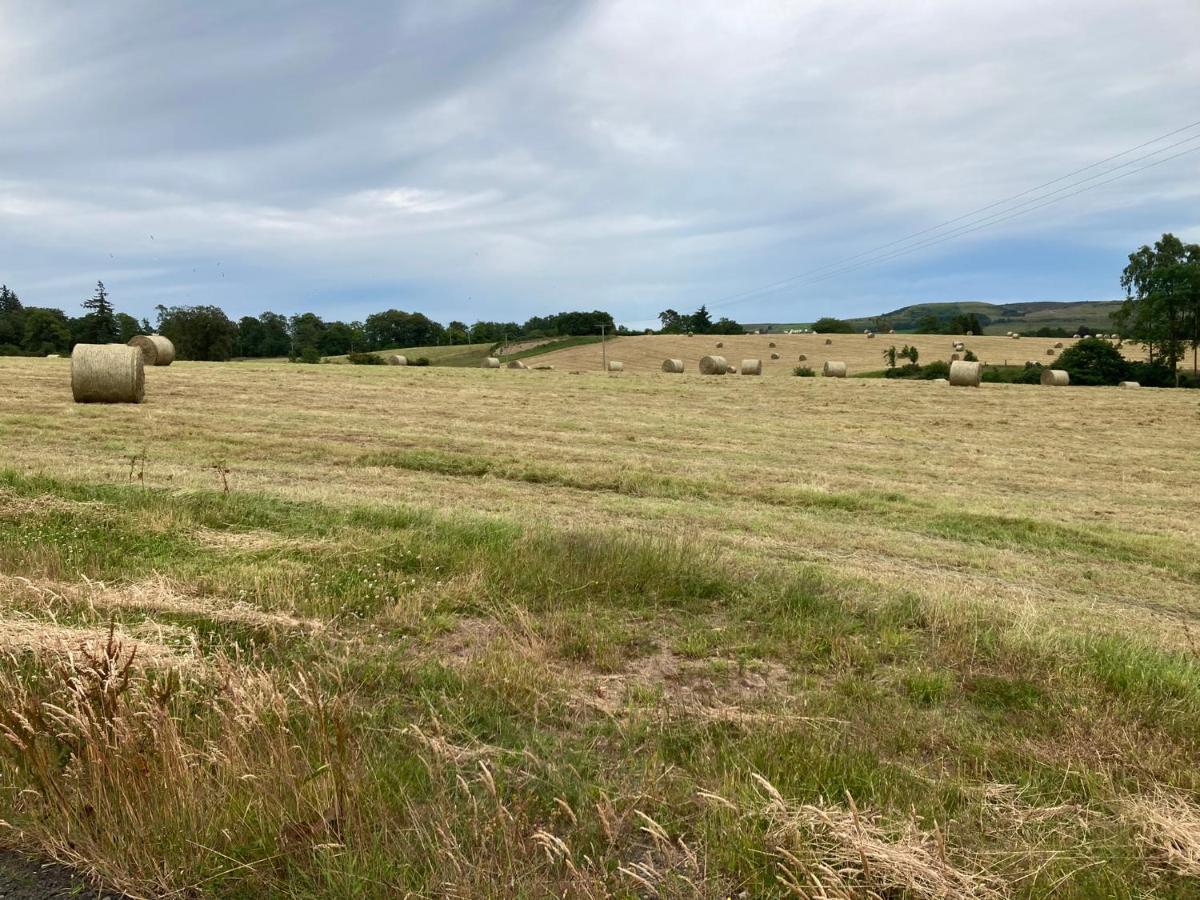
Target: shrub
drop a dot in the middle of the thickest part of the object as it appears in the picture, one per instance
(310, 355)
(1031, 375)
(829, 325)
(909, 370)
(420, 361)
(804, 372)
(365, 359)
(939, 368)
(1154, 375)
(1093, 361)
(969, 356)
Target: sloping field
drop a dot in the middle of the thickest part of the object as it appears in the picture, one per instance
(444, 355)
(645, 353)
(342, 631)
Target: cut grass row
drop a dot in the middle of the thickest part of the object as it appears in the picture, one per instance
(483, 710)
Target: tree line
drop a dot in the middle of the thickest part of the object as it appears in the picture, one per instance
(38, 331)
(205, 332)
(699, 322)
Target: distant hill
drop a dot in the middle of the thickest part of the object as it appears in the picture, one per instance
(997, 318)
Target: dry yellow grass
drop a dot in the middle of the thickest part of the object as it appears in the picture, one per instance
(645, 353)
(635, 453)
(893, 639)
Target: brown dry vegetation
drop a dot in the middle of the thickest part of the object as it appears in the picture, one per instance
(645, 353)
(463, 633)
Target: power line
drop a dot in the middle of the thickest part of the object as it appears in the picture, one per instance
(723, 301)
(996, 220)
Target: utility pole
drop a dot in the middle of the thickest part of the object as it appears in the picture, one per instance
(603, 348)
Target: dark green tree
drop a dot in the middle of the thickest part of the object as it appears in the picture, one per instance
(672, 322)
(701, 321)
(725, 325)
(830, 325)
(1091, 361)
(46, 331)
(99, 326)
(199, 332)
(336, 340)
(127, 327)
(1162, 305)
(276, 339)
(306, 329)
(12, 326)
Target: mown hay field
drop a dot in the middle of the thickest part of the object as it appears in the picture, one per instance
(353, 631)
(645, 353)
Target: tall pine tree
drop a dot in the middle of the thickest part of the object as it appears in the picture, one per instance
(100, 324)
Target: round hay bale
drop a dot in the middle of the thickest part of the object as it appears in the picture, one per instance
(751, 367)
(720, 344)
(543, 368)
(713, 365)
(614, 366)
(156, 349)
(1008, 334)
(1049, 351)
(941, 381)
(1075, 337)
(870, 335)
(771, 345)
(828, 342)
(891, 331)
(834, 369)
(959, 346)
(1015, 336)
(1129, 384)
(803, 358)
(1055, 378)
(689, 334)
(490, 362)
(965, 374)
(674, 366)
(397, 360)
(1058, 345)
(954, 357)
(516, 364)
(53, 356)
(107, 373)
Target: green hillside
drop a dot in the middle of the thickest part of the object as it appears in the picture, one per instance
(997, 318)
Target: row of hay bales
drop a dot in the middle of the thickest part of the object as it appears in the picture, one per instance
(116, 373)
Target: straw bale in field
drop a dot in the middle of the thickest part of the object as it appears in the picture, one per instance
(674, 366)
(397, 360)
(1055, 377)
(156, 349)
(1129, 384)
(490, 362)
(713, 365)
(107, 373)
(833, 369)
(751, 367)
(965, 374)
(614, 366)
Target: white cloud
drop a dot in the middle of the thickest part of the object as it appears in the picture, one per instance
(625, 154)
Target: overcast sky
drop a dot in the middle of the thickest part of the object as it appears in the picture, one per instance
(491, 160)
